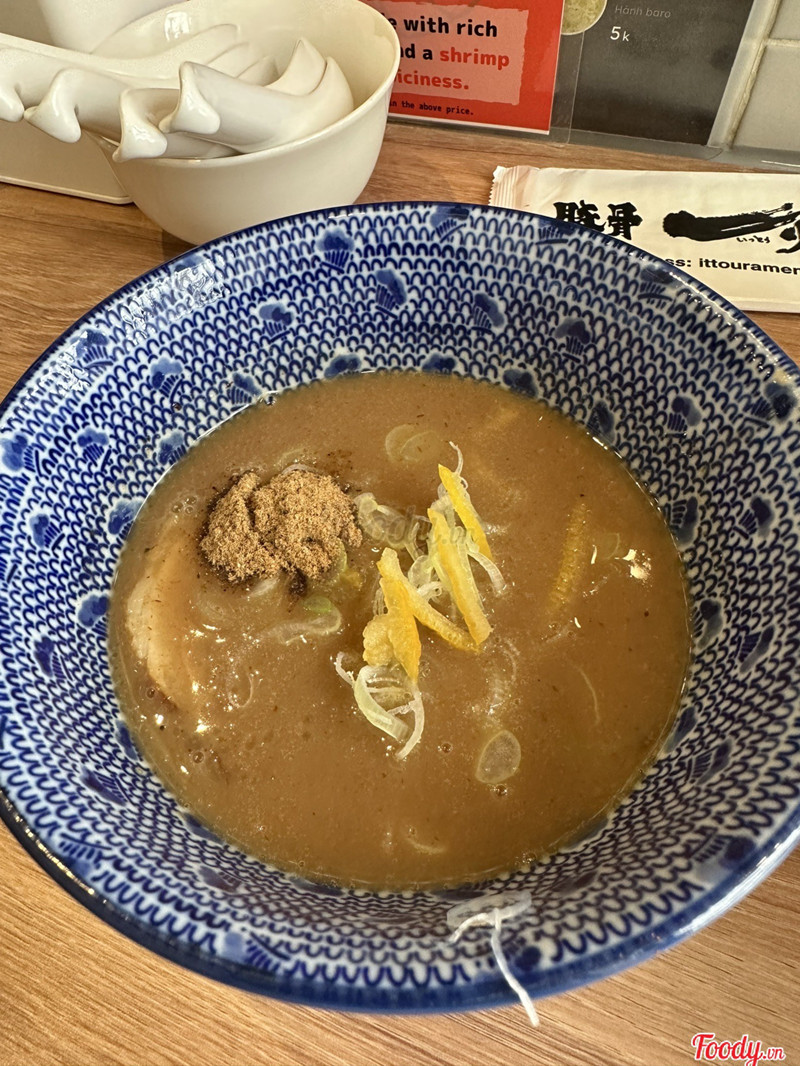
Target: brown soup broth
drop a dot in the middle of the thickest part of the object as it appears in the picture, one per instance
(263, 742)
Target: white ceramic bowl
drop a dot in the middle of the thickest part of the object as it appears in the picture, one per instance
(199, 199)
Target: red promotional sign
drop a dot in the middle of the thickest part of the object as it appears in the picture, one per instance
(488, 61)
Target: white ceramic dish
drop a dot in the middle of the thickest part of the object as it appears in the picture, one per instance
(199, 199)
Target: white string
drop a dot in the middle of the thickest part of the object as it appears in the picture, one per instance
(505, 970)
(507, 905)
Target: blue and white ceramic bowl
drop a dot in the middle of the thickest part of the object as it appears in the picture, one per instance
(702, 406)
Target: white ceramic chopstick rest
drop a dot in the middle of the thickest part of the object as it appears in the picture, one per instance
(250, 118)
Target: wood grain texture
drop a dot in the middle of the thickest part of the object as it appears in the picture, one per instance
(74, 991)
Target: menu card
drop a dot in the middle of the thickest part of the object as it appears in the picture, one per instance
(658, 69)
(487, 62)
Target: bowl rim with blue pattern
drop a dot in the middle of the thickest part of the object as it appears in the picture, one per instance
(693, 395)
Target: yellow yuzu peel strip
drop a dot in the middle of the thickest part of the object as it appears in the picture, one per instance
(464, 508)
(427, 615)
(462, 585)
(402, 625)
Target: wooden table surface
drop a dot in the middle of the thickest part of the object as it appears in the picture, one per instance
(74, 991)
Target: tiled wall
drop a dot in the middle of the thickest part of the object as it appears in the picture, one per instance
(787, 22)
(771, 116)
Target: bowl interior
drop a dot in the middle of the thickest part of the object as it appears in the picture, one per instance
(701, 405)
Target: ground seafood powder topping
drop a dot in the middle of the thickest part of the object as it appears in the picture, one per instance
(297, 523)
